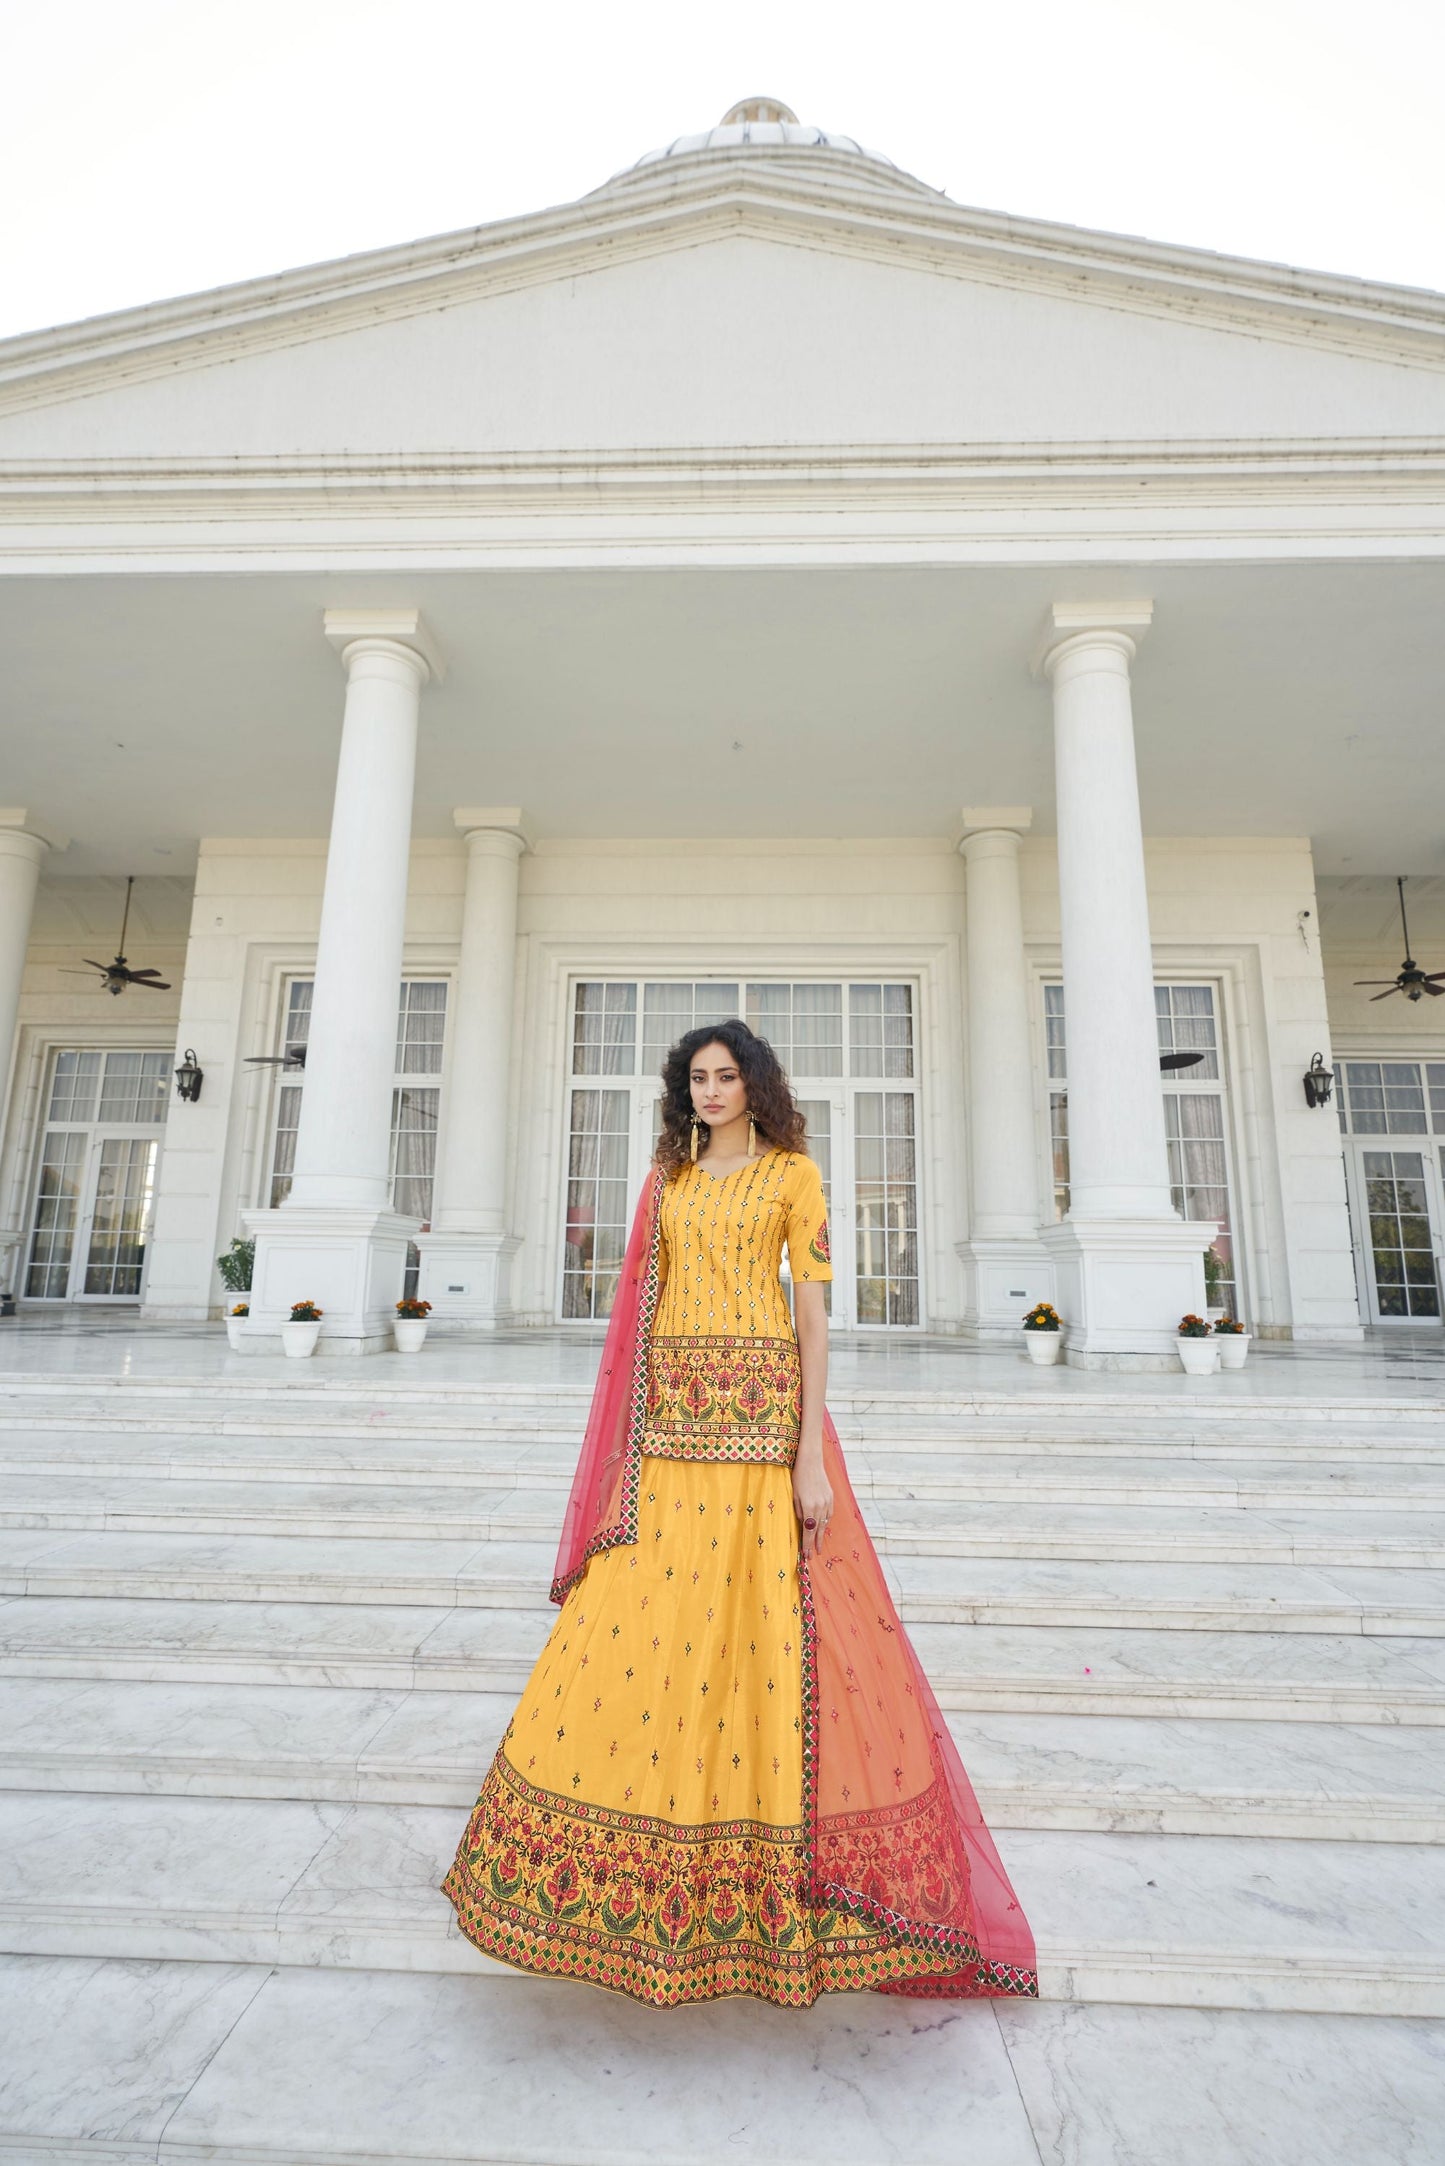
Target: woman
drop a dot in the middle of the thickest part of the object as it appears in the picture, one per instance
(727, 1773)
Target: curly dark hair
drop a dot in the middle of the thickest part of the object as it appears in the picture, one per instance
(769, 1093)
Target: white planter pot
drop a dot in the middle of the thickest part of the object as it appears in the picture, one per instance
(235, 1327)
(300, 1339)
(1044, 1347)
(409, 1331)
(1212, 1316)
(1199, 1356)
(1233, 1347)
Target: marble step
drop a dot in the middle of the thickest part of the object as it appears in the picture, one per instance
(929, 1589)
(1165, 1920)
(1326, 1782)
(563, 1377)
(973, 1668)
(1376, 1599)
(1184, 1481)
(498, 1573)
(925, 1525)
(1325, 1432)
(244, 2066)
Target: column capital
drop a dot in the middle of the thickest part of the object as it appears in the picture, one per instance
(499, 820)
(405, 631)
(19, 827)
(1070, 627)
(975, 820)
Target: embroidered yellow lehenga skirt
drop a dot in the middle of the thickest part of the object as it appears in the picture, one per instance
(641, 1825)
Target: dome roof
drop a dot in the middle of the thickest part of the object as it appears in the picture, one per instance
(762, 125)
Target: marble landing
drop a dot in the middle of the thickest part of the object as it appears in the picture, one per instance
(118, 1345)
(115, 2062)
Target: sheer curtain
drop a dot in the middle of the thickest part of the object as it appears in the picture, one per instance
(1198, 1172)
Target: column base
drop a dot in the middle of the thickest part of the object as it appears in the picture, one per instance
(1002, 1280)
(1123, 1284)
(351, 1263)
(466, 1278)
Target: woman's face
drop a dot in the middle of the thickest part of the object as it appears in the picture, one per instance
(719, 1094)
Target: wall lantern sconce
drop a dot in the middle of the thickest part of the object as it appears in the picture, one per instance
(189, 1077)
(1317, 1081)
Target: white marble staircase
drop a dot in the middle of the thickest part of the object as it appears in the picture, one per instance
(259, 1633)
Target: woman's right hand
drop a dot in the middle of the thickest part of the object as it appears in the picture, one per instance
(812, 1498)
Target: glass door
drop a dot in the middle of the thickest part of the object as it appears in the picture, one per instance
(1403, 1218)
(94, 1194)
(415, 1101)
(885, 1208)
(849, 1050)
(1392, 1114)
(116, 1218)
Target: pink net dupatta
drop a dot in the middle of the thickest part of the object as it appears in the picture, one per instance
(895, 1836)
(602, 1509)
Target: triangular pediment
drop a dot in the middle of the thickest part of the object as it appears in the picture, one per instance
(728, 303)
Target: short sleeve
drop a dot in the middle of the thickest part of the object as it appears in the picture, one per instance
(809, 1257)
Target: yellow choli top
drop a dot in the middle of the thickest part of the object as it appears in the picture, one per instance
(723, 1379)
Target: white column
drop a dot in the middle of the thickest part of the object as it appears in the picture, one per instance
(1128, 1265)
(1006, 1267)
(21, 853)
(336, 1239)
(466, 1254)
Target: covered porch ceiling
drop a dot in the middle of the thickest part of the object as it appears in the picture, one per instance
(143, 713)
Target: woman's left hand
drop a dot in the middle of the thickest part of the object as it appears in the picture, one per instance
(812, 1498)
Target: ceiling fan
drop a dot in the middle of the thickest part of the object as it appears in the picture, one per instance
(293, 1057)
(116, 976)
(1412, 980)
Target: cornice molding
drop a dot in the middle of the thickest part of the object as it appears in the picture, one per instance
(712, 199)
(1222, 470)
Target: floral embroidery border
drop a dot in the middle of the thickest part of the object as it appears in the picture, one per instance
(725, 1397)
(665, 1913)
(624, 1529)
(709, 1449)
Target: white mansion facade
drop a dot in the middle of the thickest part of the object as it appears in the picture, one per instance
(993, 658)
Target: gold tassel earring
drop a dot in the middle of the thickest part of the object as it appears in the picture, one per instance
(696, 1124)
(752, 1138)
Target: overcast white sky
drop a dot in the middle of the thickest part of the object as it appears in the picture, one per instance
(156, 147)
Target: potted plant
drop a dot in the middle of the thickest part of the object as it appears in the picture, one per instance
(1043, 1334)
(1198, 1348)
(235, 1268)
(299, 1336)
(1233, 1342)
(1215, 1275)
(235, 1324)
(410, 1327)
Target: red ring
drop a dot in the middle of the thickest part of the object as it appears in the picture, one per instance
(810, 1522)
